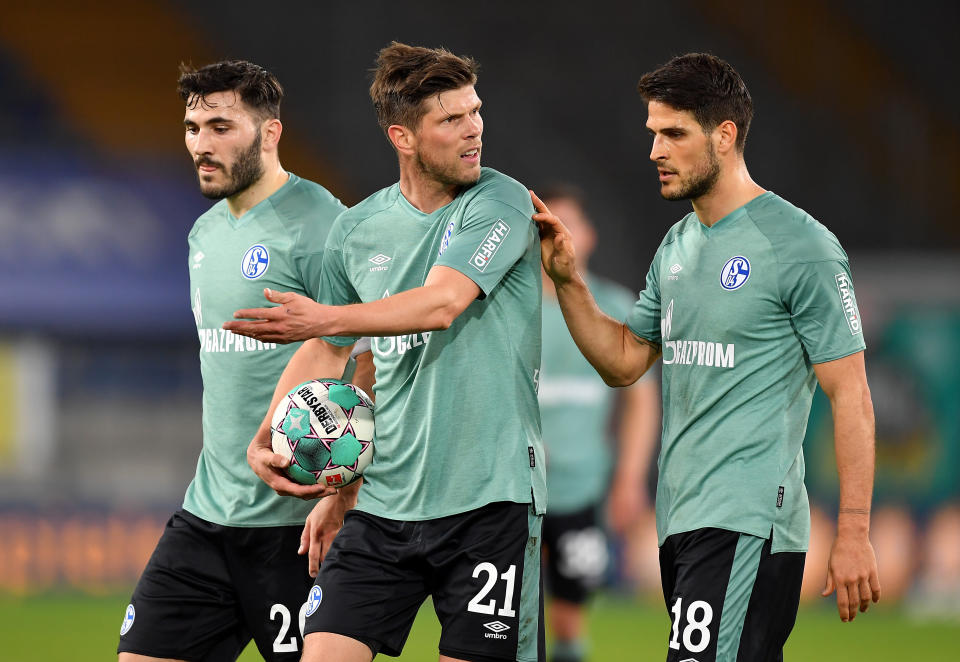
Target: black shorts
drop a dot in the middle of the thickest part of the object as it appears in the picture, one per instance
(728, 597)
(576, 554)
(208, 589)
(482, 568)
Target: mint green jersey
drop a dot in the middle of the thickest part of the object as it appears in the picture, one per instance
(742, 310)
(575, 406)
(457, 422)
(277, 244)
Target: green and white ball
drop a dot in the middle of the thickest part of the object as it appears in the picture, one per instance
(325, 428)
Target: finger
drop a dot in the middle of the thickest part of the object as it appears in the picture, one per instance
(304, 539)
(278, 297)
(313, 564)
(828, 589)
(853, 599)
(864, 591)
(275, 460)
(538, 204)
(843, 602)
(256, 314)
(875, 586)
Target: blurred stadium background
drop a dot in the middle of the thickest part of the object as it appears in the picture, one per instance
(857, 121)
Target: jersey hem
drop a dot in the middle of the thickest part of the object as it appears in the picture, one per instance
(835, 357)
(237, 525)
(757, 533)
(442, 514)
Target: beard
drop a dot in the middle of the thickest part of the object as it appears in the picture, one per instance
(699, 182)
(445, 173)
(243, 173)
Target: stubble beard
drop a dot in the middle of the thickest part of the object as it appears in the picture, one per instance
(700, 182)
(244, 173)
(445, 174)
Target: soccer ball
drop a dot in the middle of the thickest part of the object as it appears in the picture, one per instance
(325, 428)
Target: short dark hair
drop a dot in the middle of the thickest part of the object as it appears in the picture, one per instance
(257, 87)
(706, 86)
(406, 75)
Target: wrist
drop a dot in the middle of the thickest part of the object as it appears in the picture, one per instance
(853, 521)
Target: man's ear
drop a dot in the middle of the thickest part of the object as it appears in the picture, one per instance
(404, 140)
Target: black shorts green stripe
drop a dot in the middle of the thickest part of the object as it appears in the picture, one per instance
(482, 569)
(729, 598)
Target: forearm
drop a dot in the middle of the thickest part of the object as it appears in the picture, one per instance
(854, 447)
(606, 343)
(425, 308)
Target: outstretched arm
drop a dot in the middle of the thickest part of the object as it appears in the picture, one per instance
(852, 569)
(443, 296)
(619, 356)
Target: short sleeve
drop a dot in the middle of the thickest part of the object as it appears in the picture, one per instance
(492, 238)
(823, 308)
(336, 289)
(310, 268)
(644, 318)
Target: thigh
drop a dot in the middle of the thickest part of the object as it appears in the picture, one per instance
(184, 605)
(370, 584)
(485, 581)
(576, 554)
(272, 582)
(707, 575)
(772, 609)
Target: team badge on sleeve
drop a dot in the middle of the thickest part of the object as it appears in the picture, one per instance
(735, 273)
(445, 242)
(255, 262)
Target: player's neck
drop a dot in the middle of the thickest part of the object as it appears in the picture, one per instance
(273, 178)
(424, 192)
(733, 189)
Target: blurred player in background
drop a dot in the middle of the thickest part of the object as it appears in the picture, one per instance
(443, 267)
(227, 567)
(750, 302)
(576, 408)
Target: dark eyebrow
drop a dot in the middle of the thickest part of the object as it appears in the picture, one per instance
(212, 120)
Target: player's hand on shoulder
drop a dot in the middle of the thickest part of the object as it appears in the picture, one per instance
(556, 243)
(296, 317)
(270, 467)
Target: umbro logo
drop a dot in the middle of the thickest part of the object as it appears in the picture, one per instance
(674, 270)
(380, 260)
(496, 630)
(196, 259)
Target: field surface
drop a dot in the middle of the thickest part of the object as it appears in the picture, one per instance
(81, 628)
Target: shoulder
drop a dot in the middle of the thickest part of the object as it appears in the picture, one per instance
(306, 207)
(794, 235)
(494, 186)
(350, 218)
(208, 218)
(678, 229)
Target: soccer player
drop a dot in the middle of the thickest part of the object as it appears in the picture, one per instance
(576, 408)
(226, 568)
(444, 267)
(750, 302)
